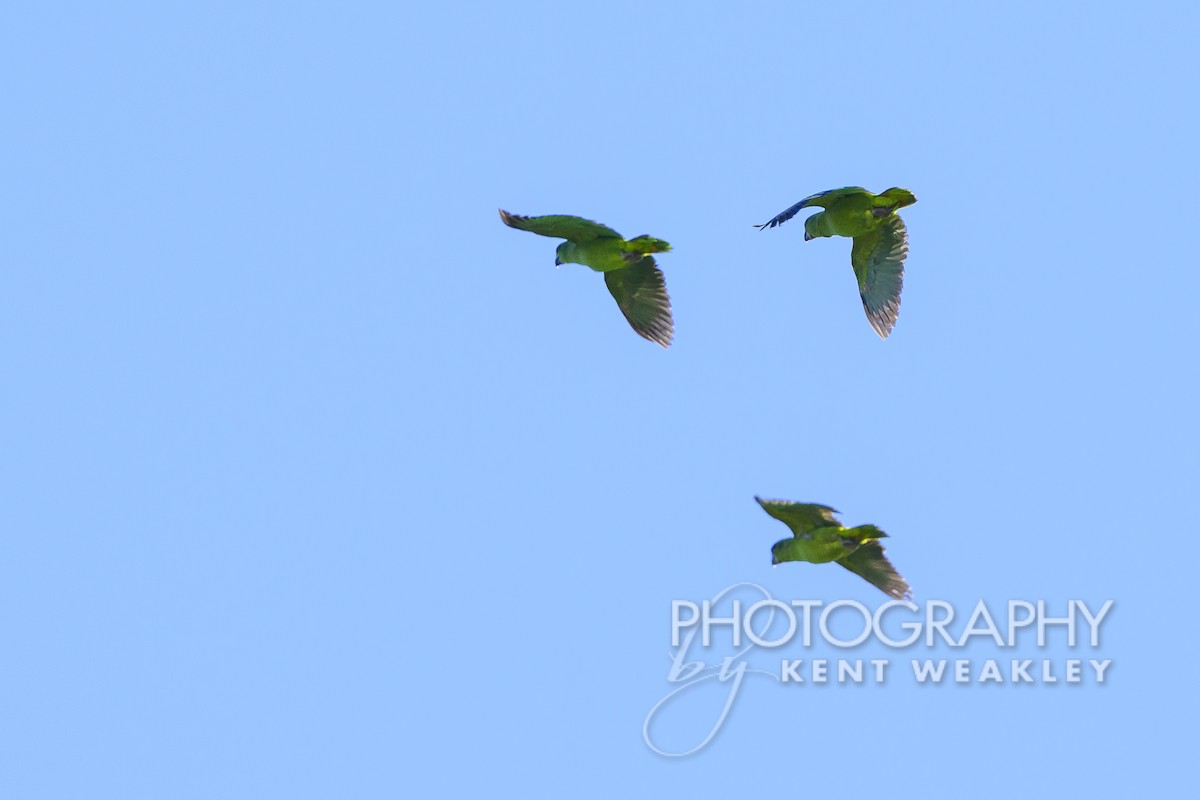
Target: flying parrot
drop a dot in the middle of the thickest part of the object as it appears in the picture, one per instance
(629, 270)
(818, 537)
(880, 243)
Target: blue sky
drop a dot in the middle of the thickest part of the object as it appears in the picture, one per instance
(318, 480)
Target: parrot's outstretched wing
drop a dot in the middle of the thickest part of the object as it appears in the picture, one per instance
(800, 517)
(878, 259)
(822, 199)
(573, 229)
(869, 562)
(641, 292)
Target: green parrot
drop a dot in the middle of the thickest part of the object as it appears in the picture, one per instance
(880, 243)
(629, 270)
(818, 537)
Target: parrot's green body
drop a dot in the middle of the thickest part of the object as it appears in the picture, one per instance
(607, 254)
(632, 277)
(880, 242)
(818, 537)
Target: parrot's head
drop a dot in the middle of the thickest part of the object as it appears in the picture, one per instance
(562, 254)
(811, 231)
(899, 198)
(777, 552)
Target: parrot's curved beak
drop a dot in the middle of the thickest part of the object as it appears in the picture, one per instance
(557, 262)
(808, 237)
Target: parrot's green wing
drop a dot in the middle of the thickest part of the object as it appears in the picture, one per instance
(822, 199)
(641, 293)
(800, 517)
(869, 562)
(573, 229)
(878, 259)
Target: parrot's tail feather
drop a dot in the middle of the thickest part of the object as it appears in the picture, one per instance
(864, 532)
(648, 244)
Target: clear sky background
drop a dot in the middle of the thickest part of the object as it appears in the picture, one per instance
(318, 481)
